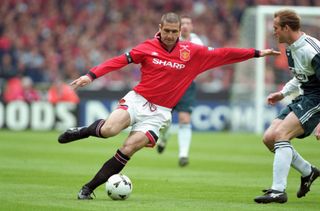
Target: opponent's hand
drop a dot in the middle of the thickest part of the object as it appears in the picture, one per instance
(269, 52)
(80, 82)
(317, 132)
(275, 97)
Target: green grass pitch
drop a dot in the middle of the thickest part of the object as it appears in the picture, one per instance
(226, 172)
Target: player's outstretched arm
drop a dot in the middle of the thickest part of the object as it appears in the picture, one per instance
(269, 52)
(80, 82)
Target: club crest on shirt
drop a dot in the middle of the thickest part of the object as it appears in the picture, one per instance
(184, 53)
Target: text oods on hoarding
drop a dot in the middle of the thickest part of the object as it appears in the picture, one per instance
(41, 115)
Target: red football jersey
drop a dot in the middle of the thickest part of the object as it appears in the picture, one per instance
(165, 76)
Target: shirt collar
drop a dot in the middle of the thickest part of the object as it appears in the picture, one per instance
(298, 43)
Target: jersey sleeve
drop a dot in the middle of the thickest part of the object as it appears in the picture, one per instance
(137, 53)
(211, 58)
(290, 87)
(109, 65)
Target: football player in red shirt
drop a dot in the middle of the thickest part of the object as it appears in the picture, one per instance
(185, 105)
(167, 70)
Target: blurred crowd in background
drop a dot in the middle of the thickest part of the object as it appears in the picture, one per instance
(45, 44)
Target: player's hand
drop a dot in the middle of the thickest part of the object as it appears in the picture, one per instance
(317, 132)
(275, 97)
(80, 82)
(269, 52)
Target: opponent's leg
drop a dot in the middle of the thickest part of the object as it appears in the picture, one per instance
(163, 139)
(184, 137)
(184, 140)
(281, 167)
(308, 173)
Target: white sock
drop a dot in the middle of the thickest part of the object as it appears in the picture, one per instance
(184, 139)
(281, 165)
(300, 164)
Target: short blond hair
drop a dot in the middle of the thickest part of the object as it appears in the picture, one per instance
(289, 18)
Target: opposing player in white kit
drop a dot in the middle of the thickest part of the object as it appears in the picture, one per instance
(167, 70)
(184, 106)
(299, 118)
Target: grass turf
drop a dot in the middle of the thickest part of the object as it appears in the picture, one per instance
(226, 172)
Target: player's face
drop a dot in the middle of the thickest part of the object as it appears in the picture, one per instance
(280, 33)
(186, 27)
(170, 32)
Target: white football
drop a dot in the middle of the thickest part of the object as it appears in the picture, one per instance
(119, 187)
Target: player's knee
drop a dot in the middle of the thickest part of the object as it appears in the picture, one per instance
(109, 130)
(184, 121)
(267, 137)
(129, 149)
(184, 118)
(268, 140)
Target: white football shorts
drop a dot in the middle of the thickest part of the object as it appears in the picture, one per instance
(145, 116)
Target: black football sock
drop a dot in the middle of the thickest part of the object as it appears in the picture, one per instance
(93, 129)
(113, 166)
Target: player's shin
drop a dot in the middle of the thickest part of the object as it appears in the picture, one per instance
(94, 129)
(300, 164)
(184, 139)
(281, 165)
(113, 166)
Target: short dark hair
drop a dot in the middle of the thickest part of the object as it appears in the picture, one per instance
(288, 17)
(170, 18)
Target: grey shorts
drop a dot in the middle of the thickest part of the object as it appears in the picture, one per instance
(307, 109)
(187, 101)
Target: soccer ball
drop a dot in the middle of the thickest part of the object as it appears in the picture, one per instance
(119, 187)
